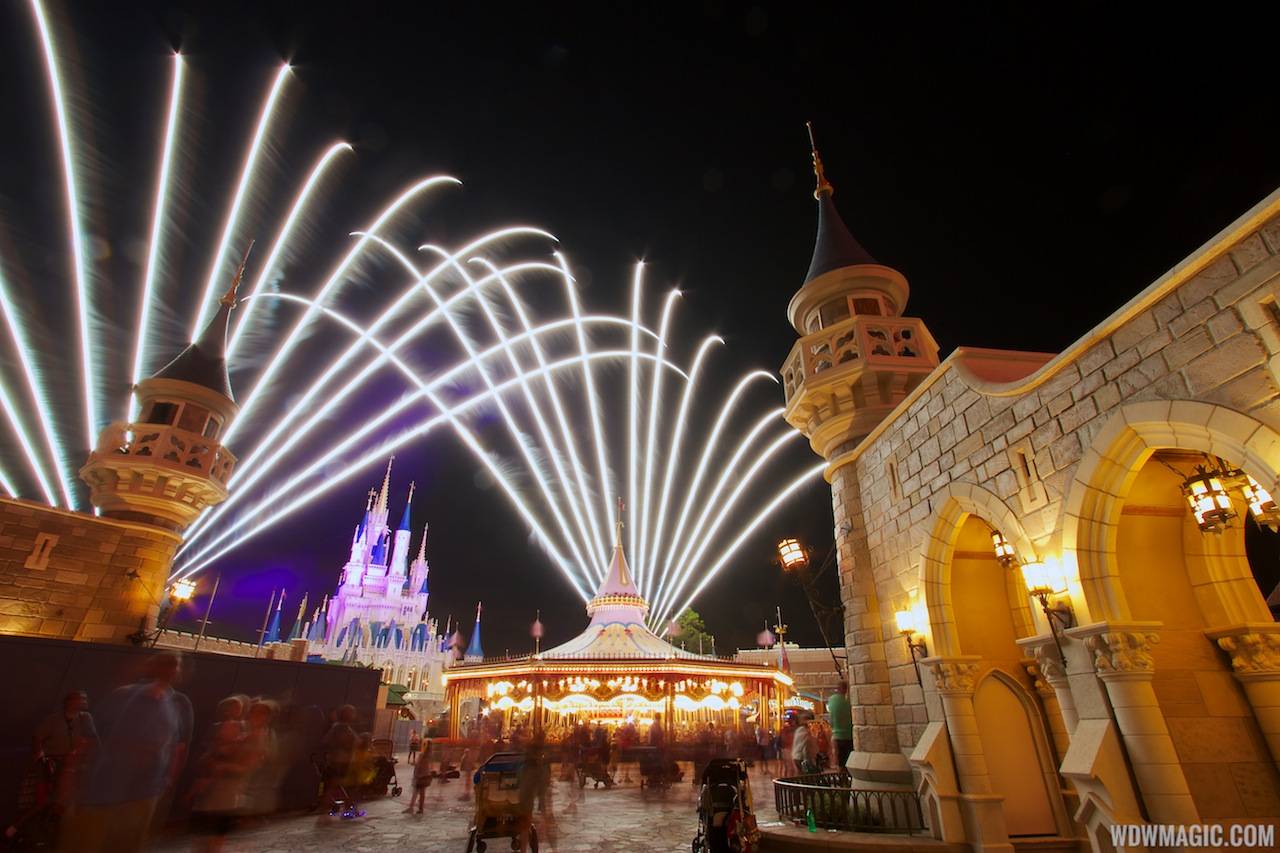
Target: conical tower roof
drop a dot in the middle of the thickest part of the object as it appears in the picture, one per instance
(204, 361)
(834, 247)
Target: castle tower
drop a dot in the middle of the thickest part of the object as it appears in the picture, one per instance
(400, 548)
(475, 652)
(168, 467)
(857, 358)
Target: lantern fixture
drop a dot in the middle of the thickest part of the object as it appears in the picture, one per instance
(1044, 581)
(792, 555)
(183, 589)
(1261, 505)
(1210, 503)
(1003, 548)
(909, 628)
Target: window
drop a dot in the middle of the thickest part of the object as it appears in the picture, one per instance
(193, 418)
(161, 413)
(891, 471)
(866, 307)
(213, 427)
(1031, 492)
(835, 311)
(38, 559)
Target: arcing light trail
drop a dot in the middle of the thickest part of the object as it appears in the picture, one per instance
(579, 395)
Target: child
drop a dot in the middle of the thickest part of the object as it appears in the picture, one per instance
(421, 778)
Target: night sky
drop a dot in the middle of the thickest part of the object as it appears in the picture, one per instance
(1027, 171)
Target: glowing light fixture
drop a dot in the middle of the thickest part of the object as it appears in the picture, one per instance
(1044, 580)
(1209, 500)
(183, 589)
(909, 624)
(792, 554)
(1003, 548)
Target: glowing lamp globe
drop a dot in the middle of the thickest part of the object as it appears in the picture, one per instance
(183, 589)
(1261, 505)
(1042, 579)
(907, 622)
(792, 554)
(1209, 500)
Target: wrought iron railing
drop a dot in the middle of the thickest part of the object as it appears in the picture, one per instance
(835, 804)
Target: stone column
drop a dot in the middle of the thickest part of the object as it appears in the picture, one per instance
(1051, 674)
(1121, 655)
(877, 758)
(1055, 720)
(1255, 658)
(982, 809)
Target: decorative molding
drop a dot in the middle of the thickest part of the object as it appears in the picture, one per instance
(1253, 652)
(1045, 658)
(1122, 652)
(38, 559)
(953, 675)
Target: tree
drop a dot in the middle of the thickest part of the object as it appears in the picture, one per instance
(690, 630)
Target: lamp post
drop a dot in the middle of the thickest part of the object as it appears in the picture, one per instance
(1042, 583)
(179, 591)
(794, 559)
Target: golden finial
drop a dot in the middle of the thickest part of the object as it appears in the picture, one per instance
(621, 509)
(823, 187)
(229, 298)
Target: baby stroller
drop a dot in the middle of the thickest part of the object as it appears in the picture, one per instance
(333, 793)
(499, 810)
(657, 770)
(594, 766)
(726, 820)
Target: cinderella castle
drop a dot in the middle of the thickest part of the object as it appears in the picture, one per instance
(377, 615)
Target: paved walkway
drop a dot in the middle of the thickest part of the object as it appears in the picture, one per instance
(624, 819)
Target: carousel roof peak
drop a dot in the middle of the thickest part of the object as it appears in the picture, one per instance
(618, 589)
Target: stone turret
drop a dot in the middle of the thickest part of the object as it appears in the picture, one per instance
(857, 356)
(168, 466)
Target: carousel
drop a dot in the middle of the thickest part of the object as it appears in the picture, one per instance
(616, 671)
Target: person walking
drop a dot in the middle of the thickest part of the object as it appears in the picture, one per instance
(800, 749)
(421, 777)
(415, 742)
(841, 716)
(764, 743)
(144, 736)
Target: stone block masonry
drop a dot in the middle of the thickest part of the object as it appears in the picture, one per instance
(74, 576)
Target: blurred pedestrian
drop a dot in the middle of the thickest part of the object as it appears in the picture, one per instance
(415, 743)
(841, 716)
(421, 779)
(220, 776)
(144, 735)
(339, 745)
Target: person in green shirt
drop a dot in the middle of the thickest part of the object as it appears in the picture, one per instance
(841, 717)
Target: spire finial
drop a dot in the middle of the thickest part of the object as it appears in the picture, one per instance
(479, 607)
(368, 504)
(386, 485)
(823, 187)
(229, 298)
(422, 545)
(411, 491)
(617, 543)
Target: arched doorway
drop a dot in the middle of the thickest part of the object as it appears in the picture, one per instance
(1014, 745)
(1193, 582)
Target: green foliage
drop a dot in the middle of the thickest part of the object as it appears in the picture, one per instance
(691, 629)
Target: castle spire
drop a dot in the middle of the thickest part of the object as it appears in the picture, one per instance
(404, 519)
(422, 545)
(474, 650)
(834, 246)
(385, 494)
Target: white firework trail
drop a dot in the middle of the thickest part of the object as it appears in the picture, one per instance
(575, 437)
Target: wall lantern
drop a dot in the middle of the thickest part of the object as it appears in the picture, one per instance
(183, 589)
(792, 554)
(1003, 548)
(1261, 505)
(909, 628)
(1043, 582)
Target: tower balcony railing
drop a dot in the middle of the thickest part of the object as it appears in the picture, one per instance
(856, 344)
(170, 447)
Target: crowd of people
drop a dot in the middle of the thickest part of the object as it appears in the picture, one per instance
(101, 776)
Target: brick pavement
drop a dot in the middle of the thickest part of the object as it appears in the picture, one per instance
(624, 819)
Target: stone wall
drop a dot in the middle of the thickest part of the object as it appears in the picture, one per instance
(67, 575)
(1209, 331)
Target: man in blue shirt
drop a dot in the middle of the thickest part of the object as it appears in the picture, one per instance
(144, 732)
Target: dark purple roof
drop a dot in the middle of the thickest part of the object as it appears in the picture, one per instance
(205, 361)
(834, 247)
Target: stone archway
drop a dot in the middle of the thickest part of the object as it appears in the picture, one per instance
(1091, 513)
(953, 506)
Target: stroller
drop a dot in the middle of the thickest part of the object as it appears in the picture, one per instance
(594, 766)
(726, 820)
(384, 772)
(333, 792)
(657, 770)
(499, 811)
